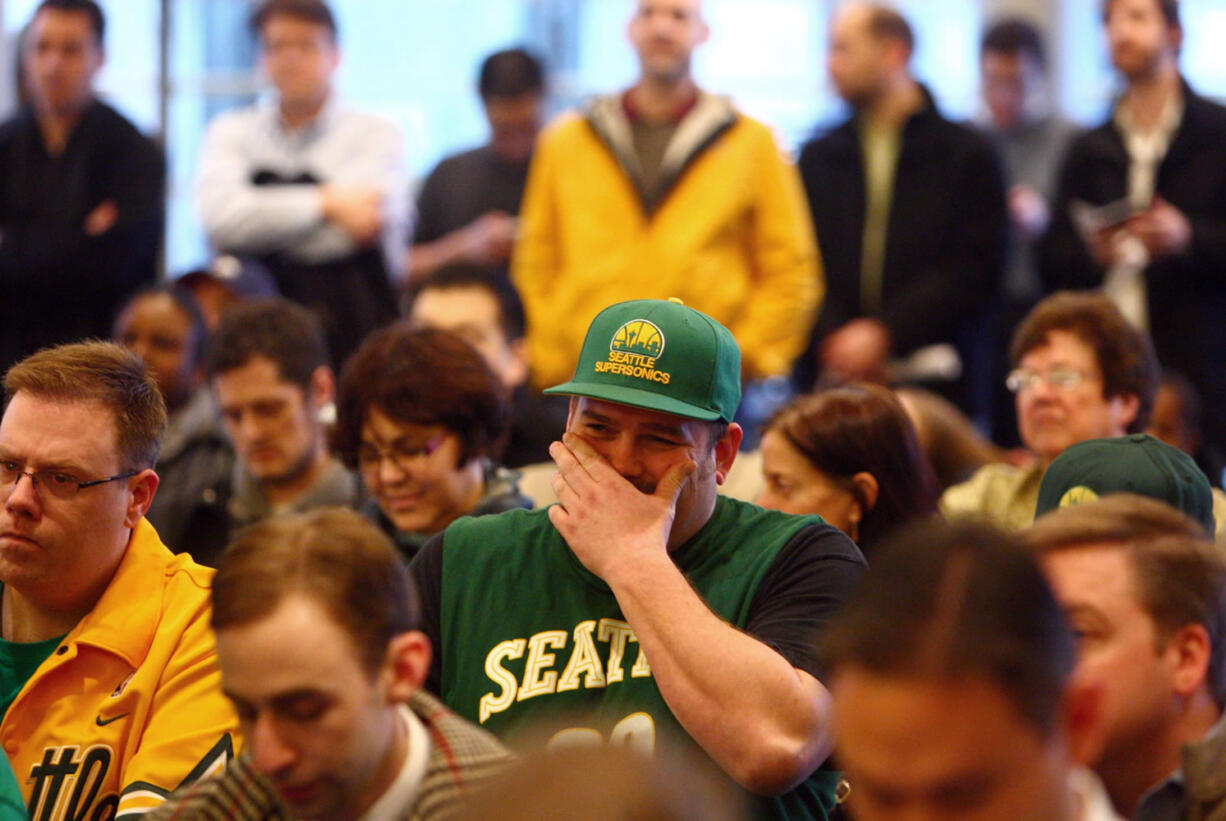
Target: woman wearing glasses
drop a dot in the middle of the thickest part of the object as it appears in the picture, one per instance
(421, 417)
(1080, 371)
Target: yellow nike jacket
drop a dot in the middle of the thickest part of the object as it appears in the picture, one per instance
(129, 706)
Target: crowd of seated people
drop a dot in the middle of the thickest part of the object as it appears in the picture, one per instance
(880, 484)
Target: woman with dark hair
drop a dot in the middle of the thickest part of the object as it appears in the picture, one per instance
(421, 417)
(850, 455)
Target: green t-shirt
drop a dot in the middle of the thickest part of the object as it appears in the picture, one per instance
(12, 806)
(18, 661)
(530, 639)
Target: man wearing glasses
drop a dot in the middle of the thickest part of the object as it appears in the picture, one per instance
(109, 684)
(1080, 371)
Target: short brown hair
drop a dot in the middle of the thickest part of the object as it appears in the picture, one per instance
(91, 10)
(1125, 354)
(1169, 9)
(284, 332)
(312, 11)
(333, 556)
(946, 601)
(421, 376)
(99, 372)
(1180, 577)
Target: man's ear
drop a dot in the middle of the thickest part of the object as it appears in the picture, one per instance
(1126, 407)
(1081, 720)
(1190, 649)
(726, 450)
(704, 32)
(323, 386)
(407, 663)
(1176, 39)
(897, 55)
(517, 371)
(142, 486)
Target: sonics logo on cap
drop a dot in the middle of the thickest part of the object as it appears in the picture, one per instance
(633, 352)
(638, 336)
(1077, 495)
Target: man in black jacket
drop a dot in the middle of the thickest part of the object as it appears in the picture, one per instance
(1160, 250)
(81, 208)
(909, 210)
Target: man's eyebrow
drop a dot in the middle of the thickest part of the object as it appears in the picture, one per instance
(596, 416)
(678, 429)
(63, 467)
(283, 697)
(292, 698)
(1082, 609)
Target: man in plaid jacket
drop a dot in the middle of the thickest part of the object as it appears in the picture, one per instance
(315, 619)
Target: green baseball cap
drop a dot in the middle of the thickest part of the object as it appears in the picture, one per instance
(659, 355)
(1127, 464)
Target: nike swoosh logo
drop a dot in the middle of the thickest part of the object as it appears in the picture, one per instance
(102, 723)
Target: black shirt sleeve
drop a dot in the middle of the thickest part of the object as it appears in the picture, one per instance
(426, 570)
(430, 220)
(807, 584)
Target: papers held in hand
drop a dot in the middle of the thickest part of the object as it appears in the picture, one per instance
(1093, 219)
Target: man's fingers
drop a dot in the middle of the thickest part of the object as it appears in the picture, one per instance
(563, 457)
(591, 461)
(669, 488)
(562, 489)
(558, 516)
(570, 466)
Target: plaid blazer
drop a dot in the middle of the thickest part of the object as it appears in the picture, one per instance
(462, 757)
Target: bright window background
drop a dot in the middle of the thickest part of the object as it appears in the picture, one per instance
(418, 69)
(415, 61)
(769, 56)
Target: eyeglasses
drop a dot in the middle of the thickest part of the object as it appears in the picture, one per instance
(59, 484)
(400, 453)
(1023, 379)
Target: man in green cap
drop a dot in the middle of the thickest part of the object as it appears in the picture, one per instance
(645, 609)
(1144, 589)
(1137, 463)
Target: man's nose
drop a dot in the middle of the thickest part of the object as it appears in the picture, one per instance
(623, 455)
(250, 428)
(141, 349)
(269, 752)
(23, 496)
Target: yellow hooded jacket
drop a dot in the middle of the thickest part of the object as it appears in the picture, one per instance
(727, 231)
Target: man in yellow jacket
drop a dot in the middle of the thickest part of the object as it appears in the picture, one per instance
(110, 691)
(665, 191)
